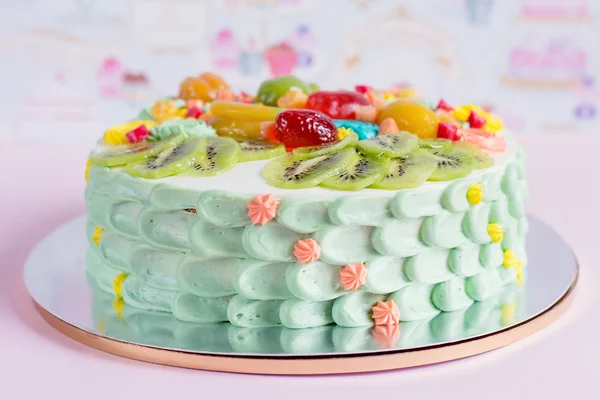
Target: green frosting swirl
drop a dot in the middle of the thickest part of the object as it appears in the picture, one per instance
(188, 127)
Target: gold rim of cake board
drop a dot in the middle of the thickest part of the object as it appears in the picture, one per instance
(320, 364)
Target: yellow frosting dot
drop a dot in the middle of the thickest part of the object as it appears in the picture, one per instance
(101, 325)
(97, 235)
(496, 232)
(118, 306)
(118, 284)
(508, 312)
(343, 132)
(475, 194)
(510, 259)
(519, 271)
(88, 165)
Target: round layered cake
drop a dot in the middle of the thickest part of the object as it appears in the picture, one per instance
(300, 207)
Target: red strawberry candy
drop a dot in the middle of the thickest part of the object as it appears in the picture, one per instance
(442, 105)
(475, 120)
(137, 135)
(338, 105)
(447, 130)
(194, 112)
(301, 128)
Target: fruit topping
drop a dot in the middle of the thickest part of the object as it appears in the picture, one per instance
(170, 161)
(138, 134)
(130, 153)
(315, 151)
(202, 87)
(213, 80)
(412, 117)
(475, 120)
(222, 154)
(303, 128)
(258, 150)
(270, 91)
(294, 98)
(437, 143)
(442, 105)
(194, 112)
(224, 94)
(364, 130)
(362, 88)
(117, 135)
(447, 130)
(482, 160)
(360, 174)
(388, 126)
(290, 172)
(487, 142)
(338, 105)
(165, 109)
(452, 163)
(238, 129)
(240, 111)
(366, 113)
(392, 145)
(409, 172)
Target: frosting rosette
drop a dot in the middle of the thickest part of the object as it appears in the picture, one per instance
(307, 251)
(262, 208)
(187, 127)
(353, 276)
(386, 313)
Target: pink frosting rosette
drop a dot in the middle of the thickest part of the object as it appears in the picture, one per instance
(386, 313)
(307, 251)
(262, 208)
(353, 276)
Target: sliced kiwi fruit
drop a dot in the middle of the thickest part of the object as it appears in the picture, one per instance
(393, 145)
(291, 172)
(452, 163)
(221, 155)
(360, 174)
(257, 150)
(408, 172)
(315, 151)
(131, 153)
(170, 161)
(437, 143)
(482, 160)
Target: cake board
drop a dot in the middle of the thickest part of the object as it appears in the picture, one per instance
(55, 276)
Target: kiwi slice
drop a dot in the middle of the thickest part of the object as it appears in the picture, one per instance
(360, 174)
(482, 160)
(257, 150)
(393, 145)
(131, 153)
(315, 151)
(291, 172)
(408, 172)
(221, 155)
(170, 161)
(437, 143)
(452, 163)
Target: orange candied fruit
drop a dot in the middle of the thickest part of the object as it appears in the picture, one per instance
(203, 87)
(412, 117)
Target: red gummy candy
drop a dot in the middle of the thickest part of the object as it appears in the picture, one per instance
(447, 130)
(137, 135)
(301, 128)
(442, 105)
(337, 105)
(362, 88)
(475, 120)
(194, 112)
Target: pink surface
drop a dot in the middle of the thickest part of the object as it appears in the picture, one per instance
(42, 187)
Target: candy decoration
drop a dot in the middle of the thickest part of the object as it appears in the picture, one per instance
(353, 276)
(138, 134)
(447, 130)
(375, 100)
(496, 232)
(118, 284)
(510, 259)
(303, 128)
(388, 126)
(194, 112)
(475, 194)
(262, 208)
(442, 105)
(97, 235)
(366, 113)
(386, 335)
(294, 98)
(386, 313)
(307, 251)
(475, 120)
(343, 132)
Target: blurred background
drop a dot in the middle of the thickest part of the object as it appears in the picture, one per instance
(70, 68)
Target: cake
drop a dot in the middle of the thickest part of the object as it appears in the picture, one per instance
(300, 208)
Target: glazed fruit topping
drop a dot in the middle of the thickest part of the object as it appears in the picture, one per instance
(412, 117)
(338, 105)
(303, 128)
(447, 130)
(442, 105)
(194, 112)
(138, 134)
(475, 120)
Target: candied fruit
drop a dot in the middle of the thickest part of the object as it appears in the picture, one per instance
(412, 117)
(242, 111)
(475, 120)
(302, 128)
(447, 130)
(195, 89)
(340, 104)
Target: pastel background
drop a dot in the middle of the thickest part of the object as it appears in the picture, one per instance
(72, 67)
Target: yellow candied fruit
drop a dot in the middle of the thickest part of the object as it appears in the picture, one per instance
(510, 259)
(294, 98)
(114, 138)
(496, 232)
(97, 235)
(493, 124)
(118, 284)
(88, 165)
(164, 110)
(117, 134)
(508, 312)
(475, 194)
(519, 271)
(343, 132)
(119, 305)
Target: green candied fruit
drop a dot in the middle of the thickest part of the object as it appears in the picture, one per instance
(271, 90)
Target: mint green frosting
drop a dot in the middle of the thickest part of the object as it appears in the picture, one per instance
(187, 127)
(138, 295)
(123, 217)
(167, 197)
(154, 267)
(295, 313)
(209, 240)
(444, 230)
(354, 309)
(352, 211)
(314, 281)
(303, 216)
(191, 308)
(414, 302)
(208, 277)
(399, 237)
(386, 275)
(261, 280)
(345, 245)
(253, 313)
(270, 242)
(430, 266)
(223, 209)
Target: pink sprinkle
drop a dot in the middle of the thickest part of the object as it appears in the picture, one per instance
(262, 208)
(194, 112)
(442, 105)
(307, 250)
(138, 134)
(447, 130)
(475, 120)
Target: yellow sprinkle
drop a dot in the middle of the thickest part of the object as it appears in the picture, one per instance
(519, 271)
(343, 132)
(510, 259)
(97, 235)
(508, 312)
(475, 194)
(88, 165)
(496, 232)
(119, 305)
(118, 284)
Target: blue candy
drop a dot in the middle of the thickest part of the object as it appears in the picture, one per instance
(364, 130)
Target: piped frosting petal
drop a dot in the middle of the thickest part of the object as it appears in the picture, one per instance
(307, 251)
(386, 313)
(262, 208)
(353, 276)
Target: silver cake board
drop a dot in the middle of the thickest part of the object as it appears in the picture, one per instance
(55, 276)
